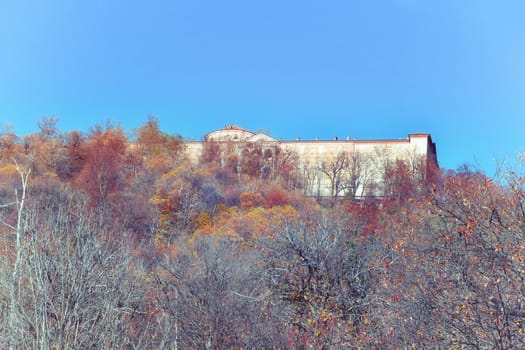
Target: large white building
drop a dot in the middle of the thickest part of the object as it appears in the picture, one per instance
(334, 167)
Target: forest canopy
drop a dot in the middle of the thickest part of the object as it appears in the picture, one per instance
(118, 241)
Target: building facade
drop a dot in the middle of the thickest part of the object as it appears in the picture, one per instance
(337, 167)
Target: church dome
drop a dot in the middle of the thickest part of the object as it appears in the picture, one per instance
(229, 133)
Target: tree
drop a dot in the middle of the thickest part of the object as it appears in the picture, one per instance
(336, 170)
(72, 157)
(454, 276)
(320, 284)
(45, 148)
(212, 294)
(154, 144)
(101, 175)
(286, 169)
(180, 197)
(69, 286)
(212, 154)
(359, 175)
(9, 145)
(16, 275)
(349, 174)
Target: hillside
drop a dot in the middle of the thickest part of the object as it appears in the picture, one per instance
(114, 241)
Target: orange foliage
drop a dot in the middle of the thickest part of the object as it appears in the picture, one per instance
(9, 145)
(152, 142)
(251, 200)
(203, 222)
(102, 172)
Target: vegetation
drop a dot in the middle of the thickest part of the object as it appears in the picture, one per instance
(113, 244)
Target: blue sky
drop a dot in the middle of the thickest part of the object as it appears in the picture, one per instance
(368, 69)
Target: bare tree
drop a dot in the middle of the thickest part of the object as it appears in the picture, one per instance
(359, 174)
(213, 294)
(70, 286)
(18, 231)
(349, 174)
(320, 283)
(336, 170)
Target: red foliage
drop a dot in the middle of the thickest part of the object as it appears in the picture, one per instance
(365, 213)
(276, 196)
(101, 173)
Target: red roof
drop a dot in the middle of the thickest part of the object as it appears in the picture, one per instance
(235, 127)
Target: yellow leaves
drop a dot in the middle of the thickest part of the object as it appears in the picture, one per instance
(203, 222)
(159, 163)
(285, 212)
(9, 175)
(251, 223)
(8, 170)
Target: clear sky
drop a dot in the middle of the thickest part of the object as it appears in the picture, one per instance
(360, 68)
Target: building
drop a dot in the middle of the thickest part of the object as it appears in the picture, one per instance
(337, 167)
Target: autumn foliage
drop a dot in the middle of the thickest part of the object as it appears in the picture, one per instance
(119, 241)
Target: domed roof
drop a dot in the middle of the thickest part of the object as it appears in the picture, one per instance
(229, 133)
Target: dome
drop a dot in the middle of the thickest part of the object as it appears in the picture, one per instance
(229, 133)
